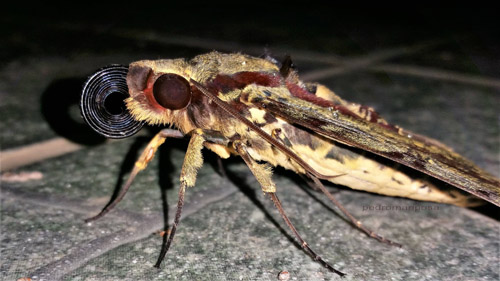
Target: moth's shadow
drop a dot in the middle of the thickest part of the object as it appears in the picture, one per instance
(59, 105)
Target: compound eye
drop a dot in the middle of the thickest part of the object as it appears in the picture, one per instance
(172, 91)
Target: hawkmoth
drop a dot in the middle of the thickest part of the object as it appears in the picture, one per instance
(259, 109)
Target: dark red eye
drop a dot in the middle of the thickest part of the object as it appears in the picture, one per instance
(172, 91)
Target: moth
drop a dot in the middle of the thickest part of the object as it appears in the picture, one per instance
(259, 109)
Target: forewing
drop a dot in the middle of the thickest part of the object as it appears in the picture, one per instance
(339, 124)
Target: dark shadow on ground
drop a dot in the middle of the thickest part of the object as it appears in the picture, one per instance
(60, 108)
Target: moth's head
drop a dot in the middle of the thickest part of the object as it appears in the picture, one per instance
(159, 90)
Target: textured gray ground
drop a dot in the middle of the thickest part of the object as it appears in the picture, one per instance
(446, 87)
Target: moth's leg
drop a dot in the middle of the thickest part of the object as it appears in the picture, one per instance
(318, 186)
(354, 221)
(141, 163)
(193, 160)
(216, 142)
(303, 243)
(263, 174)
(221, 168)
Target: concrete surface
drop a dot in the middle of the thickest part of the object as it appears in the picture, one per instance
(417, 72)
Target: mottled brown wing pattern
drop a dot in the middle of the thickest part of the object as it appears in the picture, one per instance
(339, 124)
